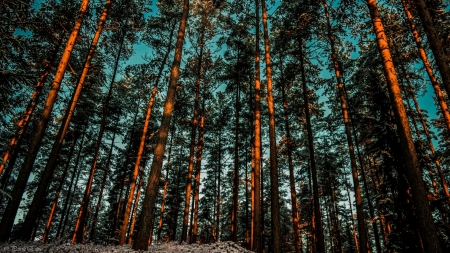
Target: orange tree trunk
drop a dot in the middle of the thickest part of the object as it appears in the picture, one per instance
(413, 173)
(256, 183)
(430, 143)
(275, 205)
(123, 230)
(24, 173)
(416, 128)
(58, 191)
(151, 191)
(184, 230)
(197, 177)
(124, 174)
(49, 169)
(319, 242)
(135, 209)
(81, 218)
(427, 65)
(362, 230)
(27, 113)
(435, 43)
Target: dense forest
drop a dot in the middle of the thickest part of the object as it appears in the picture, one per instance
(281, 125)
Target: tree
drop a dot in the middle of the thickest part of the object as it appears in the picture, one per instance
(426, 224)
(145, 224)
(19, 187)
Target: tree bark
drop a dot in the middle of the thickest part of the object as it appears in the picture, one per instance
(124, 174)
(13, 205)
(235, 202)
(419, 194)
(219, 176)
(426, 63)
(135, 209)
(435, 43)
(256, 183)
(123, 230)
(319, 238)
(355, 237)
(362, 230)
(22, 125)
(192, 146)
(54, 154)
(198, 168)
(141, 241)
(275, 205)
(429, 140)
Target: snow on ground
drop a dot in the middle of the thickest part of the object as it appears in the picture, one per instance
(228, 247)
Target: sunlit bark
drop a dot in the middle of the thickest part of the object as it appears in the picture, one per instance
(11, 209)
(145, 221)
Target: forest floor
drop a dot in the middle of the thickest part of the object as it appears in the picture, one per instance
(228, 247)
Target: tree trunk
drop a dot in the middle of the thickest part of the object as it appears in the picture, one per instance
(13, 205)
(355, 237)
(435, 43)
(192, 146)
(275, 205)
(145, 225)
(416, 128)
(413, 172)
(53, 158)
(235, 202)
(263, 233)
(336, 219)
(79, 226)
(429, 140)
(427, 65)
(319, 238)
(58, 191)
(22, 125)
(135, 209)
(219, 176)
(256, 183)
(123, 230)
(197, 177)
(97, 207)
(124, 174)
(362, 230)
(166, 184)
(191, 218)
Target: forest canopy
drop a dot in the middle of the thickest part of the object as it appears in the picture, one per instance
(279, 126)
